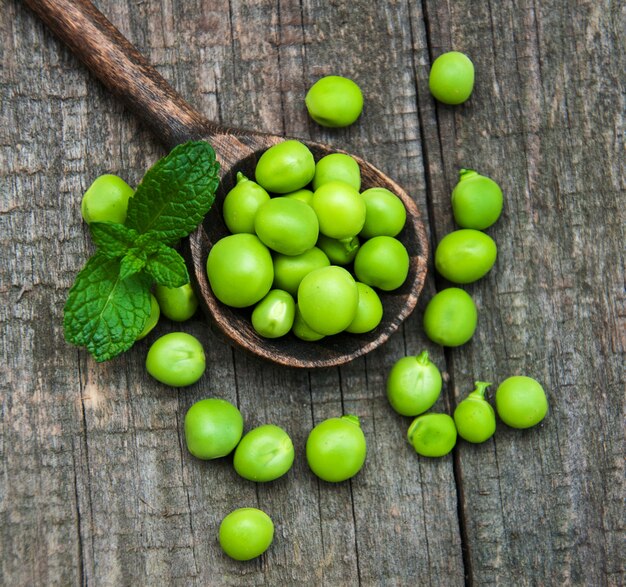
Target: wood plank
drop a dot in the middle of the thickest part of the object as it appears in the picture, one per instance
(542, 506)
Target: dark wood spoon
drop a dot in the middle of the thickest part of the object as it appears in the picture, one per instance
(113, 59)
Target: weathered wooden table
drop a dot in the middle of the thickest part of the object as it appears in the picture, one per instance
(97, 487)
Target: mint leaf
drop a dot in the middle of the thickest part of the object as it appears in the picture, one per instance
(132, 262)
(103, 312)
(175, 193)
(149, 242)
(113, 239)
(167, 267)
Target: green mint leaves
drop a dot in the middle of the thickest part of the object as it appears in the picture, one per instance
(109, 303)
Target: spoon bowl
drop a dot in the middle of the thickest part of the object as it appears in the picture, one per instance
(289, 350)
(118, 64)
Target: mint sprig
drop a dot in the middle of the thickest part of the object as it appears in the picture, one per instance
(109, 303)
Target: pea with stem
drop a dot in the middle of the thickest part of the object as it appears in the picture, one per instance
(474, 417)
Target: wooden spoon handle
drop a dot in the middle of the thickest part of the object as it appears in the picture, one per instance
(124, 70)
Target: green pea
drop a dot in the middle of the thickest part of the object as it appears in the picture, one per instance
(450, 317)
(303, 331)
(285, 167)
(328, 299)
(336, 448)
(339, 251)
(303, 195)
(382, 262)
(106, 200)
(246, 533)
(474, 417)
(521, 402)
(334, 101)
(289, 270)
(240, 270)
(413, 385)
(340, 209)
(273, 316)
(369, 311)
(451, 78)
(242, 203)
(153, 318)
(176, 359)
(337, 167)
(385, 213)
(264, 454)
(213, 428)
(287, 226)
(466, 255)
(177, 303)
(432, 435)
(476, 200)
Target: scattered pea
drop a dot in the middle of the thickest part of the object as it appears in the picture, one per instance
(334, 101)
(450, 317)
(177, 303)
(176, 359)
(451, 78)
(336, 448)
(264, 454)
(521, 402)
(413, 385)
(246, 533)
(213, 428)
(106, 200)
(465, 255)
(474, 417)
(432, 435)
(476, 200)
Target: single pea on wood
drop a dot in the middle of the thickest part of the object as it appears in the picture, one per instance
(213, 428)
(336, 448)
(451, 78)
(264, 454)
(246, 533)
(450, 317)
(106, 200)
(477, 200)
(432, 435)
(474, 417)
(465, 255)
(176, 359)
(334, 101)
(413, 385)
(521, 402)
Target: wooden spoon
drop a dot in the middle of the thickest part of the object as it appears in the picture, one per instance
(112, 58)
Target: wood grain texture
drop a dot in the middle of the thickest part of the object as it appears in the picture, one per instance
(96, 486)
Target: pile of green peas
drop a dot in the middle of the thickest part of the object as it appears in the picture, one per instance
(308, 252)
(335, 451)
(295, 231)
(414, 384)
